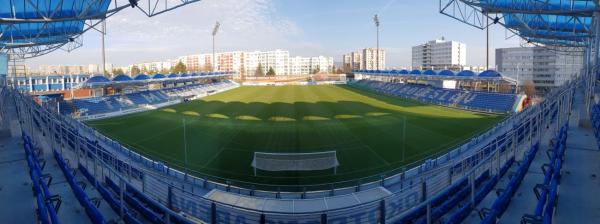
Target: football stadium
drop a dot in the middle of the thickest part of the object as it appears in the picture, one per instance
(423, 144)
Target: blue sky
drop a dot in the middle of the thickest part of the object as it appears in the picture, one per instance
(304, 27)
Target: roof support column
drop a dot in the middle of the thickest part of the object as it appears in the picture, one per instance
(593, 69)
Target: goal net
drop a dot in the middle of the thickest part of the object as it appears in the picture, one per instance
(295, 161)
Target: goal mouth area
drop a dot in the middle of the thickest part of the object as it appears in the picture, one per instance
(314, 161)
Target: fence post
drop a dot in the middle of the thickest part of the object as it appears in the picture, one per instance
(213, 213)
(170, 197)
(473, 188)
(263, 219)
(428, 218)
(382, 212)
(423, 190)
(497, 157)
(324, 218)
(121, 198)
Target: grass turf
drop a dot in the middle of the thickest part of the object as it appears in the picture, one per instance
(365, 129)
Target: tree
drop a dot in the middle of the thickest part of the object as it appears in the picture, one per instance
(135, 70)
(178, 68)
(271, 72)
(529, 88)
(207, 68)
(347, 68)
(259, 71)
(316, 70)
(118, 71)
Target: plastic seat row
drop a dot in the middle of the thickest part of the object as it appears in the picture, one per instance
(47, 204)
(421, 209)
(102, 105)
(547, 191)
(488, 101)
(174, 218)
(444, 201)
(91, 210)
(151, 210)
(438, 211)
(112, 201)
(595, 117)
(462, 212)
(504, 198)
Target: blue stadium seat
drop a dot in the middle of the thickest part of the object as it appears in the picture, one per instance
(45, 201)
(92, 212)
(136, 204)
(109, 198)
(546, 192)
(502, 202)
(486, 101)
(108, 104)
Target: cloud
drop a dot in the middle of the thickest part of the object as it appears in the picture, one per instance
(133, 37)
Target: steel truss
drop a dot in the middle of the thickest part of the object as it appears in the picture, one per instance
(568, 26)
(561, 24)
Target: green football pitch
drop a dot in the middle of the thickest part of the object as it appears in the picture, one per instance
(223, 131)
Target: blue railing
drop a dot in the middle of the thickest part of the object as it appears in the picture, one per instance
(182, 192)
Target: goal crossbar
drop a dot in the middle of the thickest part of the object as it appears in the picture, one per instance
(295, 161)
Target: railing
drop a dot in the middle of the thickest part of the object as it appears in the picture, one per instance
(183, 193)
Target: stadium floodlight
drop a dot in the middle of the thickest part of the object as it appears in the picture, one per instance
(377, 23)
(295, 161)
(214, 33)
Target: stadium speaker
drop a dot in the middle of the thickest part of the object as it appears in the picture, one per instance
(496, 20)
(133, 3)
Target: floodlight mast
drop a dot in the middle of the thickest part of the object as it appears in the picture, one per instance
(214, 33)
(376, 20)
(103, 33)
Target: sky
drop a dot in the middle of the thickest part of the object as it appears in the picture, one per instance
(303, 27)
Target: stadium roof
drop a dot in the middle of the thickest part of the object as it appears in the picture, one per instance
(141, 77)
(446, 73)
(490, 73)
(556, 23)
(121, 78)
(97, 79)
(33, 28)
(429, 72)
(437, 75)
(466, 73)
(158, 76)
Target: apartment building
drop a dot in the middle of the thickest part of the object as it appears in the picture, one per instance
(365, 59)
(439, 54)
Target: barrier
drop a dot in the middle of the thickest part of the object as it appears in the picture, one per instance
(182, 192)
(548, 190)
(47, 204)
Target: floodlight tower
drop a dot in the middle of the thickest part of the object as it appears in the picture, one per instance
(376, 20)
(214, 33)
(103, 33)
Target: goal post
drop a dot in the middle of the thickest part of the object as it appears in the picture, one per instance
(295, 161)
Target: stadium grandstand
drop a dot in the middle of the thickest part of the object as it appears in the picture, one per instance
(382, 146)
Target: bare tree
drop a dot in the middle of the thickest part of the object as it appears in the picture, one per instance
(259, 71)
(529, 88)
